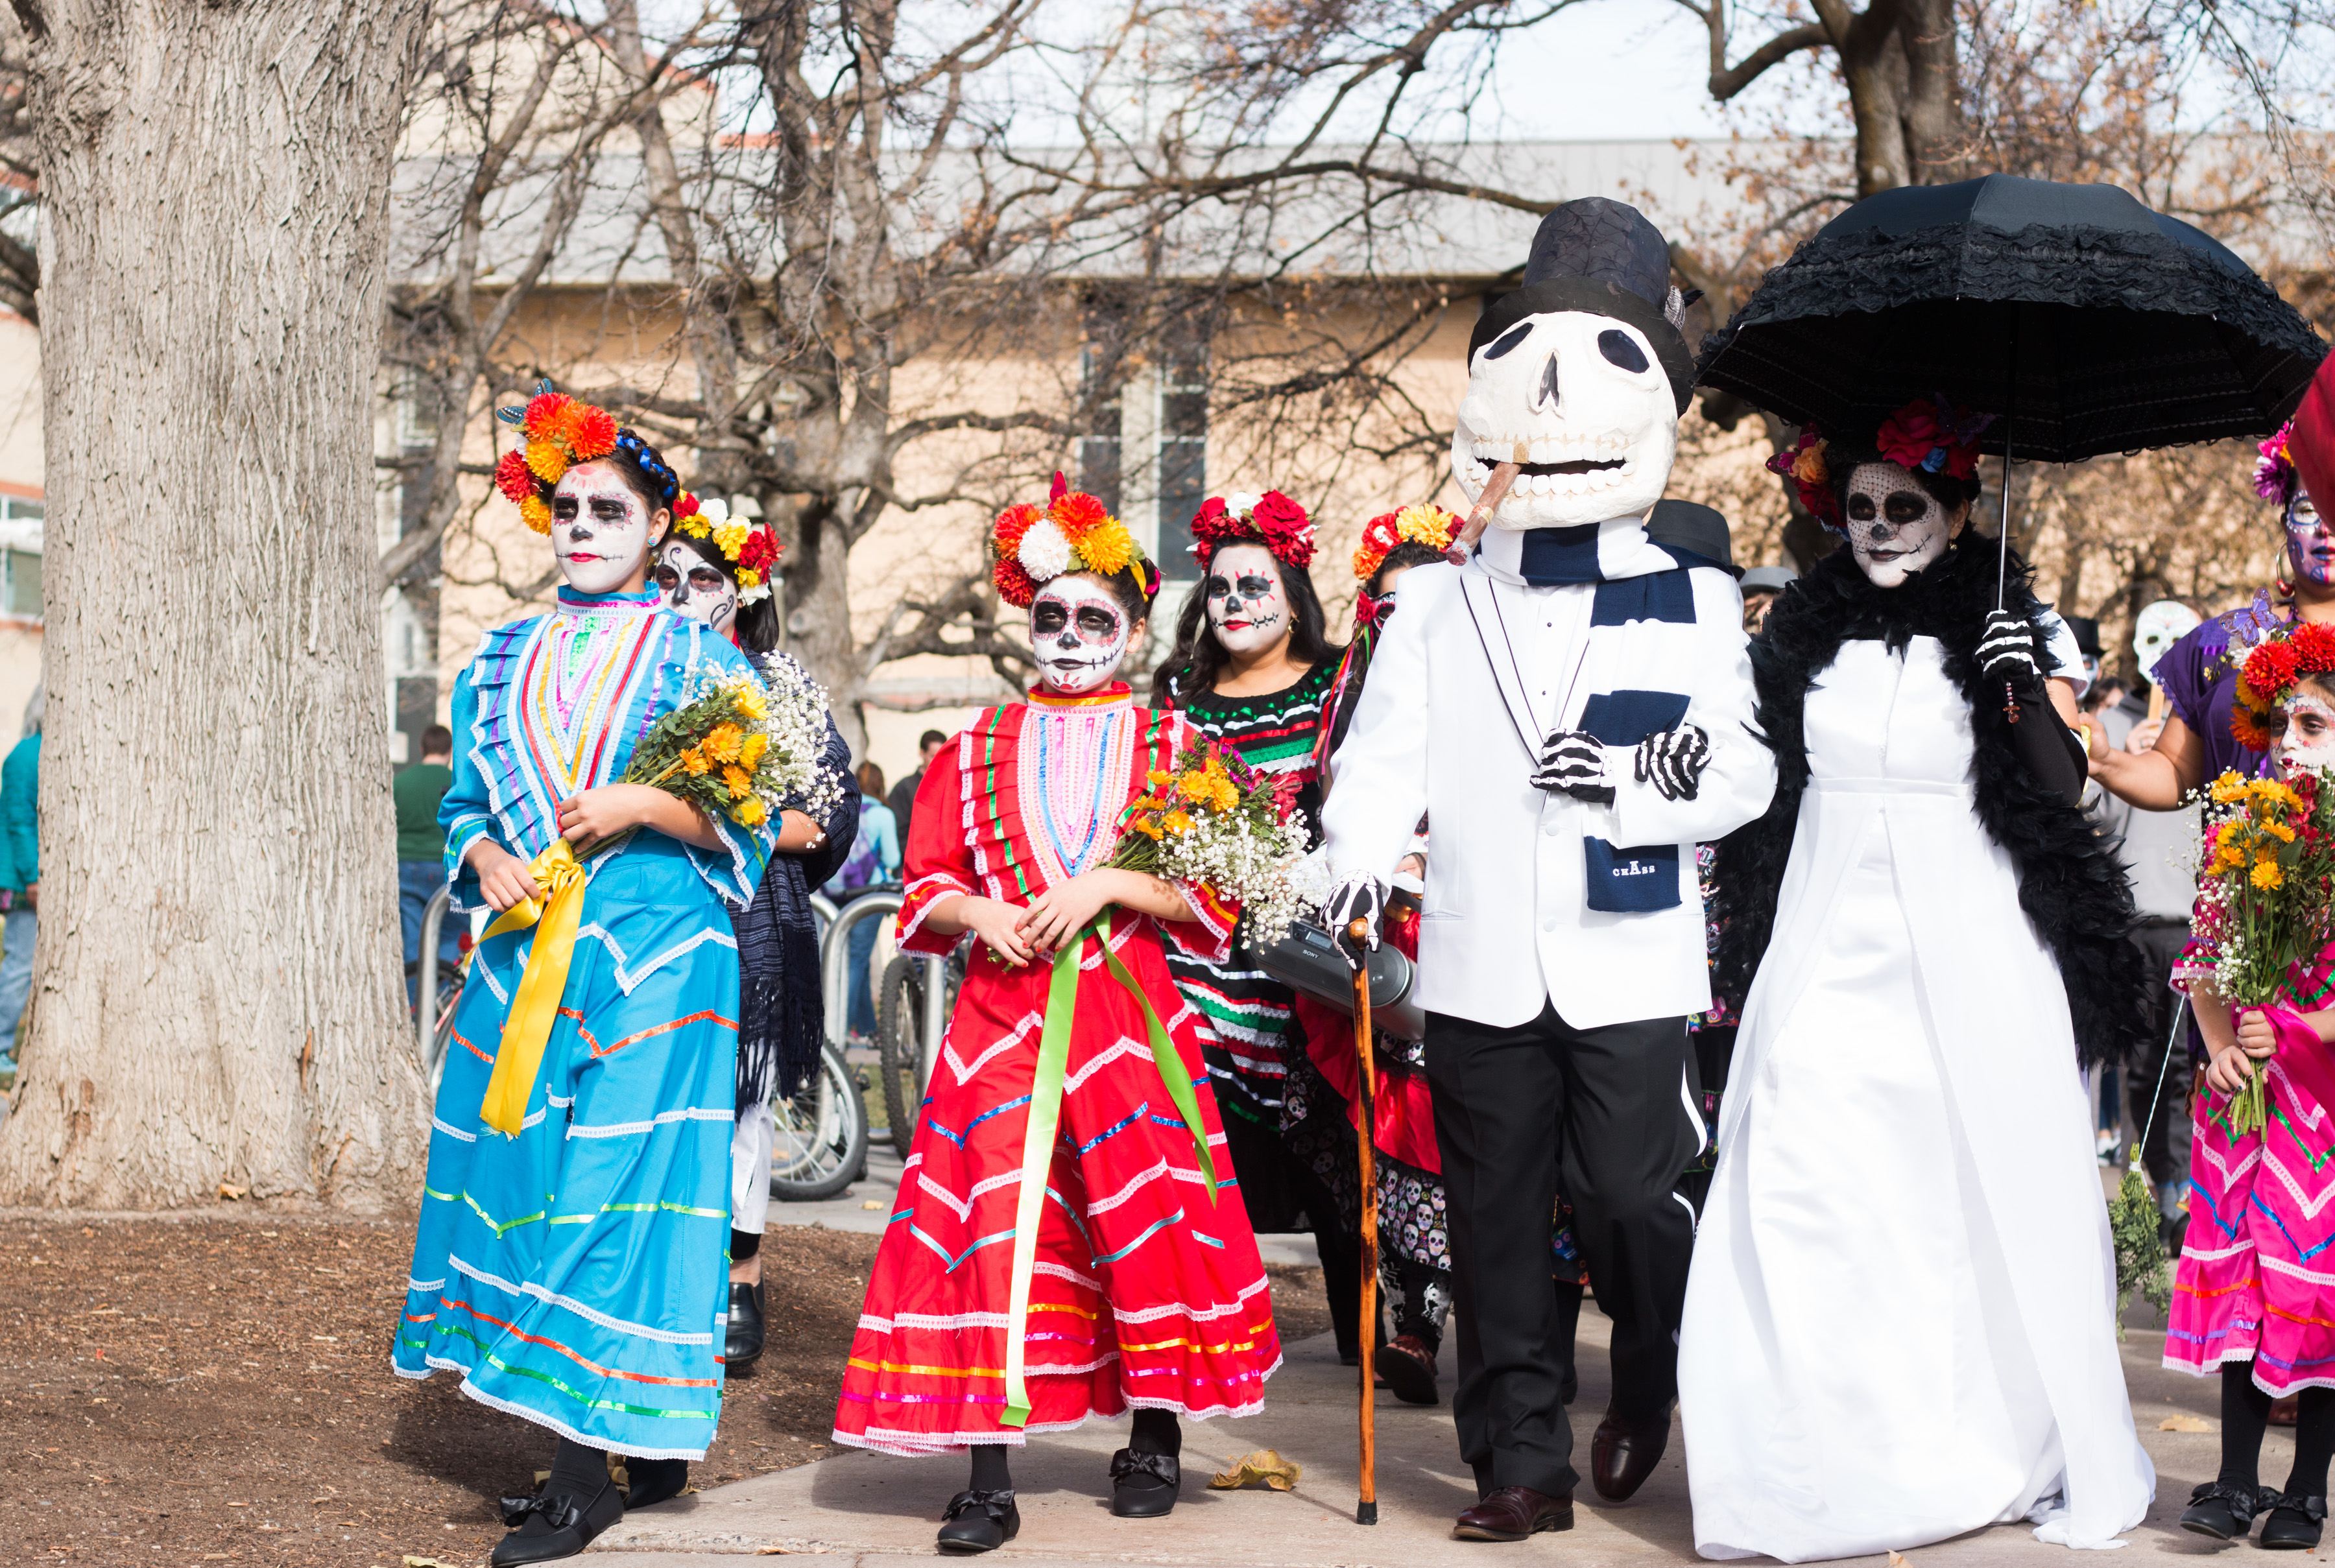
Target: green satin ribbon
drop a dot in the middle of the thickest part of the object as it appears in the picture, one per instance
(1045, 1121)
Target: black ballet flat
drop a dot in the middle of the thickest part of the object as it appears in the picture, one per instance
(545, 1528)
(980, 1521)
(2223, 1512)
(1143, 1485)
(743, 1342)
(649, 1482)
(2294, 1523)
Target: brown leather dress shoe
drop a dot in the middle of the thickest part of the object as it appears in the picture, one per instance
(1512, 1513)
(1622, 1455)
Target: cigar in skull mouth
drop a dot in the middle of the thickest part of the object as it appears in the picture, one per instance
(1495, 489)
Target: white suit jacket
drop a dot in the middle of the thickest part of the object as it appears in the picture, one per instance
(1507, 916)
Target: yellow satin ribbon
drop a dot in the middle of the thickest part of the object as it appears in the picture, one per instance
(535, 1006)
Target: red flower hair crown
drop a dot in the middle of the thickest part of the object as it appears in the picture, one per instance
(2271, 673)
(1271, 519)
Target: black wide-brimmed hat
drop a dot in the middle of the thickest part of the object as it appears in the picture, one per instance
(1601, 256)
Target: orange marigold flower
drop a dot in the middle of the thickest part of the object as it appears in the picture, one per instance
(536, 513)
(722, 742)
(693, 763)
(1078, 515)
(547, 458)
(2266, 875)
(1178, 822)
(596, 434)
(1147, 825)
(741, 786)
(546, 414)
(1108, 547)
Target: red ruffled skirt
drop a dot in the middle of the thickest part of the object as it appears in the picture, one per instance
(1145, 1292)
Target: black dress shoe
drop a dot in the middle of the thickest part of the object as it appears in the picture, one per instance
(1512, 1513)
(2223, 1512)
(1624, 1454)
(648, 1481)
(745, 1339)
(1143, 1485)
(2294, 1523)
(980, 1521)
(1408, 1369)
(546, 1528)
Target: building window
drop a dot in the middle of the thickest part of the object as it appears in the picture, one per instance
(20, 558)
(1183, 456)
(1099, 452)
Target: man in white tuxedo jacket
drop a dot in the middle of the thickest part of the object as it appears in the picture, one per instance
(1569, 708)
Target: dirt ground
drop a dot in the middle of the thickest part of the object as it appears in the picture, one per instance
(201, 1389)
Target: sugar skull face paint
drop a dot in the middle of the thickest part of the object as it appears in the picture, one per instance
(600, 529)
(1896, 528)
(1247, 606)
(2308, 740)
(1078, 633)
(1386, 595)
(694, 588)
(2309, 542)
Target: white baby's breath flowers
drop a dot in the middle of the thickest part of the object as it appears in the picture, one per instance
(1241, 865)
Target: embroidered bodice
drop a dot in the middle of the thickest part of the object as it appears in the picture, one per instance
(555, 704)
(1029, 795)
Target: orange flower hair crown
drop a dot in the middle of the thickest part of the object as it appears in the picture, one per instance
(2267, 678)
(1428, 525)
(751, 548)
(1073, 532)
(556, 433)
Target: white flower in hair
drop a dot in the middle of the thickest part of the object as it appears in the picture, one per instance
(1045, 553)
(713, 509)
(755, 595)
(1240, 503)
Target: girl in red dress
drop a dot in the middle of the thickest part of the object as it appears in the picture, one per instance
(1067, 1241)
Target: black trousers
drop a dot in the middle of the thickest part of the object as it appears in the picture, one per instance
(1607, 1110)
(2150, 1077)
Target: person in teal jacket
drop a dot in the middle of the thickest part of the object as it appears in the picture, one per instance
(20, 877)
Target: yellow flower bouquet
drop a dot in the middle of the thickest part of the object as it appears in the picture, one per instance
(1214, 820)
(2263, 893)
(740, 749)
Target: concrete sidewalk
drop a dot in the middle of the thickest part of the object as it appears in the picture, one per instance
(877, 1509)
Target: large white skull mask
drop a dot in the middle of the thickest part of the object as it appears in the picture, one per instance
(1582, 402)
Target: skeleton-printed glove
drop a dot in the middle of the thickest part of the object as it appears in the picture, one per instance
(1673, 761)
(1573, 762)
(1360, 897)
(2006, 650)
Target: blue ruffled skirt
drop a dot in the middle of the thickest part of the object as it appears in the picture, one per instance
(576, 1275)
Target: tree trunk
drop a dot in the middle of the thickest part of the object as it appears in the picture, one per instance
(218, 992)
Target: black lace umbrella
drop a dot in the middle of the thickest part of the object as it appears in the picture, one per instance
(2087, 322)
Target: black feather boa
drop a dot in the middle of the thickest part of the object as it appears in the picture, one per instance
(2071, 883)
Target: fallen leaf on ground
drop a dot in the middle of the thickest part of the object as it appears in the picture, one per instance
(1897, 1560)
(871, 1203)
(1263, 1467)
(413, 1561)
(2185, 1422)
(771, 1552)
(231, 1193)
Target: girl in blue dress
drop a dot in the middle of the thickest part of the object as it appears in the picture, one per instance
(574, 1272)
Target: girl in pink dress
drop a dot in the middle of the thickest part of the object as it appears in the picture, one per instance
(2254, 1290)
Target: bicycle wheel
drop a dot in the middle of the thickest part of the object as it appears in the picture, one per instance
(899, 1035)
(450, 997)
(821, 1141)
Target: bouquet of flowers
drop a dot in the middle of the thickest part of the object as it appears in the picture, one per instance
(2263, 893)
(742, 748)
(1217, 821)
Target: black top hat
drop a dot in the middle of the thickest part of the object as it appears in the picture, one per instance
(2088, 633)
(1694, 528)
(1603, 257)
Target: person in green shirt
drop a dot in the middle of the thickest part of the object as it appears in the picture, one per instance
(422, 847)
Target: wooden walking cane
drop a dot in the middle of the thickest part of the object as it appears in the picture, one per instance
(1366, 1511)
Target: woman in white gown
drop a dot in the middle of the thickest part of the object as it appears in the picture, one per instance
(1899, 1324)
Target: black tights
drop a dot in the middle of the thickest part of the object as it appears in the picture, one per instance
(2246, 1417)
(1155, 1432)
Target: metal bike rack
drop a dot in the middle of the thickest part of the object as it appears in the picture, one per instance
(835, 956)
(425, 1011)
